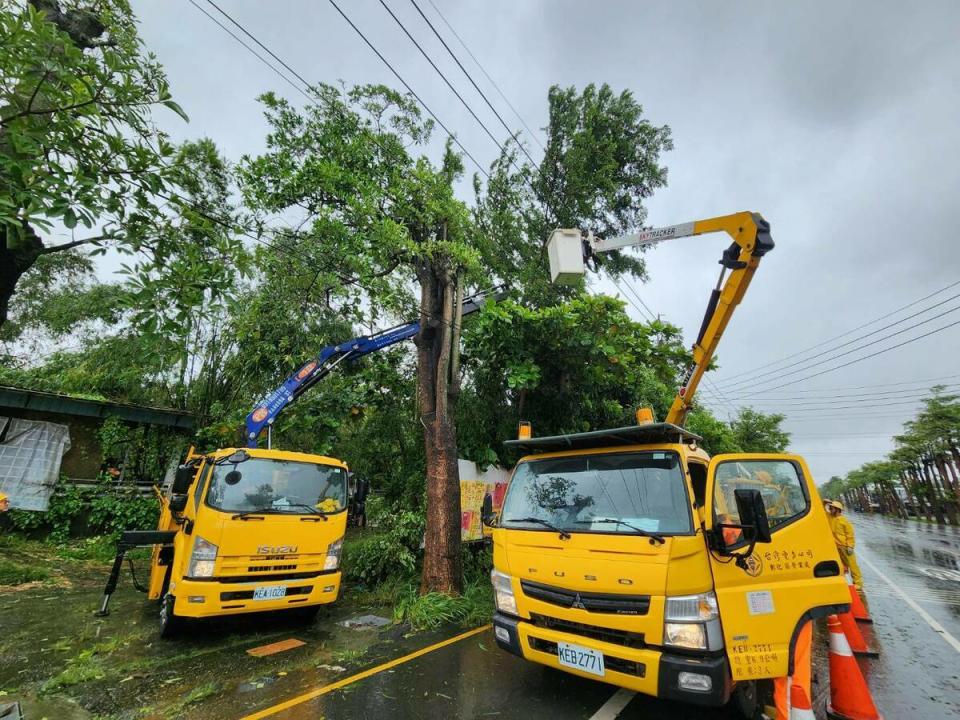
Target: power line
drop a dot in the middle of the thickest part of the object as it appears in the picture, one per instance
(749, 399)
(862, 387)
(844, 334)
(409, 89)
(867, 357)
(470, 78)
(780, 370)
(854, 406)
(249, 49)
(486, 74)
(858, 349)
(444, 77)
(249, 35)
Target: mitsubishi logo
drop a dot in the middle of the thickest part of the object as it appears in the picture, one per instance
(578, 603)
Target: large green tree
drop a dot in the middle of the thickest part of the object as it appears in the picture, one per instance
(579, 365)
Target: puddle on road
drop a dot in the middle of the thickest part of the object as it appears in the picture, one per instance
(62, 662)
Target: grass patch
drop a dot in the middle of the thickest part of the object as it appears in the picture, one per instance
(432, 610)
(198, 694)
(86, 666)
(13, 573)
(102, 548)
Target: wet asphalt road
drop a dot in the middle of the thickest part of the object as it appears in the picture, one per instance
(916, 676)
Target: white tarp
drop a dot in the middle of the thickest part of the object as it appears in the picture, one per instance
(30, 455)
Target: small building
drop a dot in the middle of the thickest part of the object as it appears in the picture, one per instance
(45, 434)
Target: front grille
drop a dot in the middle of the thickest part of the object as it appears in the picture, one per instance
(627, 667)
(610, 635)
(270, 568)
(592, 602)
(276, 576)
(248, 594)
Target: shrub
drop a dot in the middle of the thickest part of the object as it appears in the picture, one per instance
(394, 551)
(105, 509)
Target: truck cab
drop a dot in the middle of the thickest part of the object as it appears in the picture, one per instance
(621, 555)
(249, 530)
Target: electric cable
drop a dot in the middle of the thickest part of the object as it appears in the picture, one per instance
(778, 371)
(476, 87)
(486, 75)
(842, 335)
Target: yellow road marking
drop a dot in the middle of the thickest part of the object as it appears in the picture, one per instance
(286, 704)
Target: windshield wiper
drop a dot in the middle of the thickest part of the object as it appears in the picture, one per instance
(246, 513)
(311, 509)
(563, 533)
(619, 522)
(275, 510)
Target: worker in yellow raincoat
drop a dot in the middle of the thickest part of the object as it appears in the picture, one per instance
(843, 536)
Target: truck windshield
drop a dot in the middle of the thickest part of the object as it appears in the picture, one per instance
(279, 486)
(592, 493)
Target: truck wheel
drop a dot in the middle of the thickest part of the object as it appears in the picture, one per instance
(746, 699)
(170, 624)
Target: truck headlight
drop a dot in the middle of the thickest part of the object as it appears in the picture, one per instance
(202, 559)
(503, 592)
(334, 549)
(685, 635)
(693, 622)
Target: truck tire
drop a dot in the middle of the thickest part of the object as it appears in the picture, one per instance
(170, 624)
(746, 699)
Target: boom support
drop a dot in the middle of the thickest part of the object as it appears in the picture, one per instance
(267, 409)
(751, 241)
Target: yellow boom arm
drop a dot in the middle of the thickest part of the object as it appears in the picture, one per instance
(568, 250)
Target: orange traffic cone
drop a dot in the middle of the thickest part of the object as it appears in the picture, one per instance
(800, 706)
(849, 695)
(855, 637)
(857, 607)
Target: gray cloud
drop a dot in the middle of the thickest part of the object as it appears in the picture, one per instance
(837, 121)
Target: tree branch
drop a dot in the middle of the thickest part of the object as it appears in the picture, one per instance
(74, 243)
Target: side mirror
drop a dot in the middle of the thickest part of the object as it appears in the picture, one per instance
(183, 479)
(178, 503)
(486, 511)
(753, 513)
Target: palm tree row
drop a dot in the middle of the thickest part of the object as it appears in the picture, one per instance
(921, 476)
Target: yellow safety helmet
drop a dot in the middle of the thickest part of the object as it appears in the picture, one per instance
(837, 504)
(3, 496)
(763, 476)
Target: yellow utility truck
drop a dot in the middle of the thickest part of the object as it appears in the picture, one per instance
(630, 556)
(245, 530)
(252, 529)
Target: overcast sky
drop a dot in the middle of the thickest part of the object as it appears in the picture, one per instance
(836, 121)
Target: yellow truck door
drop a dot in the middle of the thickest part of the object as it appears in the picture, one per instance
(767, 590)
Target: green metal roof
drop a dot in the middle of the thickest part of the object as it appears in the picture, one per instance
(39, 401)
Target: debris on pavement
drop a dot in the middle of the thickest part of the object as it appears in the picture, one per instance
(365, 622)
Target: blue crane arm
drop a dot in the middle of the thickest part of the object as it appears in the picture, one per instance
(309, 374)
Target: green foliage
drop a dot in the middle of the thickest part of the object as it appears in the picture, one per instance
(75, 111)
(392, 551)
(474, 607)
(755, 431)
(718, 436)
(105, 509)
(577, 366)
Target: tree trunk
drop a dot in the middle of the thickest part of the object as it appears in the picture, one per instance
(442, 571)
(19, 250)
